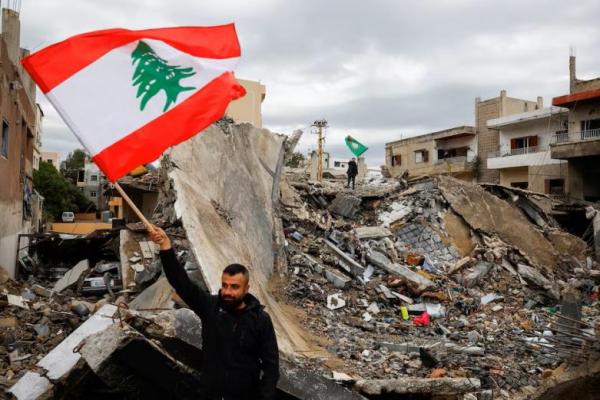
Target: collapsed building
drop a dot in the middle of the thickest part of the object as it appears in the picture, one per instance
(431, 288)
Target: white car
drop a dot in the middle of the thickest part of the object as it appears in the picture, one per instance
(68, 216)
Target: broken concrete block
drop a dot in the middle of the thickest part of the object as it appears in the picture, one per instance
(345, 204)
(62, 358)
(31, 386)
(378, 259)
(124, 358)
(372, 232)
(338, 279)
(459, 265)
(335, 301)
(17, 301)
(297, 383)
(534, 277)
(72, 276)
(157, 295)
(353, 267)
(423, 386)
(415, 282)
(182, 324)
(479, 271)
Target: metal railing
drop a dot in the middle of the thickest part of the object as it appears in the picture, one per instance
(518, 151)
(565, 137)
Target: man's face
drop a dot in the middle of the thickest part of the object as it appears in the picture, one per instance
(233, 289)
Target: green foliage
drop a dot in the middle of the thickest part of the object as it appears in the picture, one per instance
(476, 167)
(71, 166)
(152, 74)
(59, 194)
(295, 160)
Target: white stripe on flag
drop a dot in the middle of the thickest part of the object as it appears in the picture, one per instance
(101, 99)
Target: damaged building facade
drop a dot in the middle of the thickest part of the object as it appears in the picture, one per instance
(451, 151)
(523, 157)
(461, 152)
(580, 144)
(19, 138)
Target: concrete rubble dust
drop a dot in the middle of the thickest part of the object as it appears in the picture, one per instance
(430, 288)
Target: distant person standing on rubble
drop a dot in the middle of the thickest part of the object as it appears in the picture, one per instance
(352, 172)
(240, 358)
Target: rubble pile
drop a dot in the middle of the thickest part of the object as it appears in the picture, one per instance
(440, 279)
(433, 288)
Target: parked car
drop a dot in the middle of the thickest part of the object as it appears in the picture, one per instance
(68, 216)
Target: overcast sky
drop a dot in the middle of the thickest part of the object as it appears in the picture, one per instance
(379, 70)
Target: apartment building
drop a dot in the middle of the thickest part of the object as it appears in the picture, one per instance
(580, 144)
(249, 107)
(18, 112)
(90, 181)
(523, 156)
(451, 151)
(488, 140)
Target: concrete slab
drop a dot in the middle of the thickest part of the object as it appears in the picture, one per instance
(157, 295)
(372, 232)
(72, 276)
(31, 386)
(227, 210)
(62, 358)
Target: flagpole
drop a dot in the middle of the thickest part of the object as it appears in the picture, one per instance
(134, 207)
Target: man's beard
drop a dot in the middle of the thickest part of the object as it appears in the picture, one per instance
(231, 303)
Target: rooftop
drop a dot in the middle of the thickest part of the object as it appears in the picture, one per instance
(514, 119)
(569, 99)
(458, 131)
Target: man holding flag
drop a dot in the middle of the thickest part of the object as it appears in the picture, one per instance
(128, 96)
(357, 149)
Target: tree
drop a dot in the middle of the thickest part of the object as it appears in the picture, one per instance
(295, 160)
(59, 194)
(153, 74)
(73, 164)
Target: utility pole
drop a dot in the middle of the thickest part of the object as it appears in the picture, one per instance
(320, 124)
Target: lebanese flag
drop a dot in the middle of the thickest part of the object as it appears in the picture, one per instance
(129, 95)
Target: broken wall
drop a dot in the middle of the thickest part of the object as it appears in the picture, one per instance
(226, 181)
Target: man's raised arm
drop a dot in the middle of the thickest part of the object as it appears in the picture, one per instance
(194, 297)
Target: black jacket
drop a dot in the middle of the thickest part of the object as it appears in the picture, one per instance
(352, 169)
(236, 346)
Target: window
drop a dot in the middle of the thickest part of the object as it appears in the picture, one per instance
(522, 145)
(520, 185)
(81, 176)
(92, 194)
(421, 156)
(555, 186)
(4, 145)
(93, 178)
(451, 153)
(396, 160)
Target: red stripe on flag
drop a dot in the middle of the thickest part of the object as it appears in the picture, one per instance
(54, 64)
(184, 121)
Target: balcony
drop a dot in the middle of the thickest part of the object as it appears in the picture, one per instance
(518, 152)
(520, 157)
(565, 137)
(566, 145)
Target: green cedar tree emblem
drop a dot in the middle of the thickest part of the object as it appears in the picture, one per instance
(153, 74)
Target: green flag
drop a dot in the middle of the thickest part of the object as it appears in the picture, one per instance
(355, 146)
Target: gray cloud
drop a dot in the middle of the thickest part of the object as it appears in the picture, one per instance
(376, 69)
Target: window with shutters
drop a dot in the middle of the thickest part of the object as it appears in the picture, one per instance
(396, 160)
